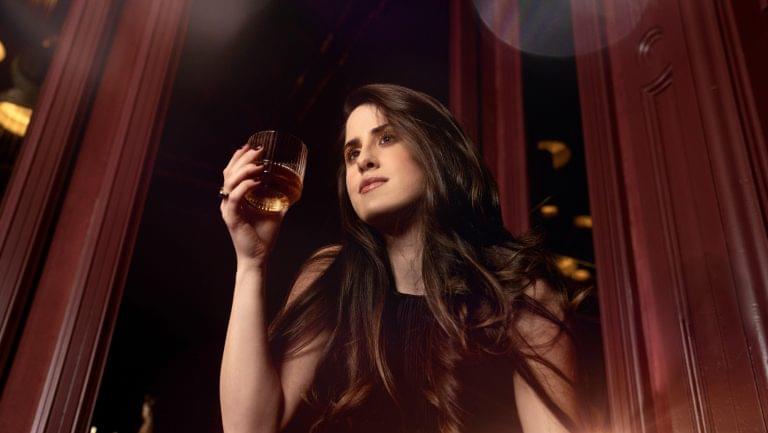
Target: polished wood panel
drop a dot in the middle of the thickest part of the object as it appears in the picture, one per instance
(487, 98)
(687, 132)
(33, 194)
(735, 119)
(55, 374)
(629, 392)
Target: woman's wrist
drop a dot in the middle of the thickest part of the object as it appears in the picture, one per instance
(250, 276)
(251, 264)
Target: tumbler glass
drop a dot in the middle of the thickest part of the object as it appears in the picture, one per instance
(285, 160)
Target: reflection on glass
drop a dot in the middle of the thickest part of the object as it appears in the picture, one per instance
(28, 31)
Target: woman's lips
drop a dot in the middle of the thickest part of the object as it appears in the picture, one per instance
(372, 185)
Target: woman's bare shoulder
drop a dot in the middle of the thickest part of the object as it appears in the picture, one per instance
(541, 328)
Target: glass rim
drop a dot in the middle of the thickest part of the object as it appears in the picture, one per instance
(283, 137)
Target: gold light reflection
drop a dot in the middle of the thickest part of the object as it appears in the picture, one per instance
(561, 154)
(567, 265)
(581, 275)
(573, 268)
(549, 211)
(2, 51)
(582, 221)
(14, 118)
(48, 42)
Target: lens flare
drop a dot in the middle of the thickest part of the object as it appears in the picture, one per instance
(545, 28)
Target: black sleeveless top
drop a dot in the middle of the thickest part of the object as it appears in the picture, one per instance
(486, 391)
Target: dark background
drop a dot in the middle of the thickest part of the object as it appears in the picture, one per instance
(248, 66)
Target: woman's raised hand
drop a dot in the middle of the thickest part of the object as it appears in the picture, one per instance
(253, 233)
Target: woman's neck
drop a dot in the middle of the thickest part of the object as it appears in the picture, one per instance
(404, 248)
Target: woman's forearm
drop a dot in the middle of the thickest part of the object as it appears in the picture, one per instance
(250, 389)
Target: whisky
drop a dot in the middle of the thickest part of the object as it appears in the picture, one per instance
(280, 188)
(285, 160)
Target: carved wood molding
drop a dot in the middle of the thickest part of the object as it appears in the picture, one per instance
(41, 169)
(624, 350)
(698, 239)
(739, 164)
(54, 379)
(657, 96)
(734, 56)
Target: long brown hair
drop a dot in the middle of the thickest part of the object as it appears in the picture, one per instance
(474, 272)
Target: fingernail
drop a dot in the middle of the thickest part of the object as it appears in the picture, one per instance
(257, 146)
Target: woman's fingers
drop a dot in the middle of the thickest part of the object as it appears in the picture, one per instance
(235, 199)
(242, 156)
(249, 170)
(249, 155)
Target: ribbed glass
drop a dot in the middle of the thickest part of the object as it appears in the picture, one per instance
(285, 161)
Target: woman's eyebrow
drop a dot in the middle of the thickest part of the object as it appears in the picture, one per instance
(375, 131)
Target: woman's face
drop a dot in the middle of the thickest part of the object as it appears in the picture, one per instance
(383, 179)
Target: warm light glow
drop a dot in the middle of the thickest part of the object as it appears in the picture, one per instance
(581, 275)
(93, 430)
(582, 221)
(549, 211)
(46, 5)
(561, 154)
(2, 51)
(567, 265)
(14, 118)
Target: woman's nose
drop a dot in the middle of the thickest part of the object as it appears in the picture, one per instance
(366, 160)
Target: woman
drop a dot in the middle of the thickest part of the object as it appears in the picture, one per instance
(429, 316)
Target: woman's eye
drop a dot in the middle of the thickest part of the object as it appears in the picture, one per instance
(387, 138)
(352, 154)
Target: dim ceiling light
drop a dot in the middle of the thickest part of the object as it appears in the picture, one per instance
(14, 118)
(561, 154)
(581, 275)
(549, 211)
(567, 265)
(582, 221)
(16, 103)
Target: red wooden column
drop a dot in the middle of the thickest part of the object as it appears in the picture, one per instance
(486, 97)
(35, 189)
(675, 142)
(621, 318)
(54, 376)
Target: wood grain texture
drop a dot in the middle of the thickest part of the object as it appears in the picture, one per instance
(54, 377)
(487, 99)
(681, 96)
(701, 380)
(728, 67)
(41, 169)
(629, 394)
